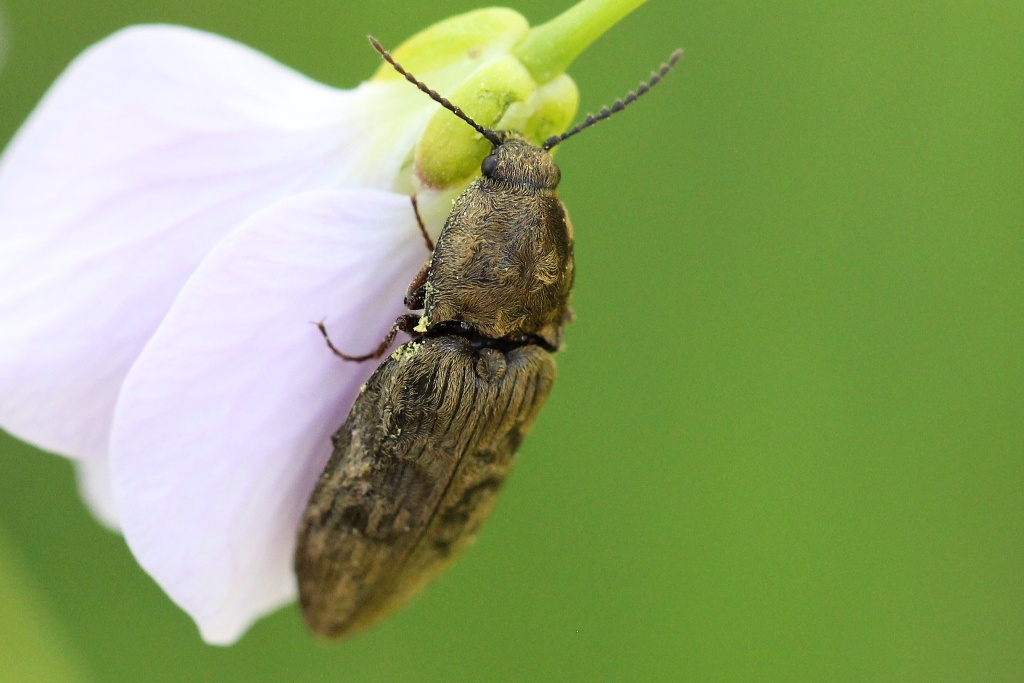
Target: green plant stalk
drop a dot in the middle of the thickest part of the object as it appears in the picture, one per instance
(550, 48)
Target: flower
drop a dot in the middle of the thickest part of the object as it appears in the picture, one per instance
(175, 213)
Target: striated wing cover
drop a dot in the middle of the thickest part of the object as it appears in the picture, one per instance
(416, 470)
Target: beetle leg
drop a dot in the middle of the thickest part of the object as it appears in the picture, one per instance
(405, 323)
(416, 295)
(419, 221)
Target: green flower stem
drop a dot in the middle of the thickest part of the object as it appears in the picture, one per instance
(550, 48)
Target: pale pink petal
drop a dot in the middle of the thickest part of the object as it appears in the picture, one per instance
(224, 422)
(97, 490)
(148, 150)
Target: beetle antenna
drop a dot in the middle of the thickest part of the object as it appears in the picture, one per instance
(618, 105)
(493, 137)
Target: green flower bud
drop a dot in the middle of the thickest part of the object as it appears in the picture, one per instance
(450, 50)
(449, 150)
(550, 111)
(503, 75)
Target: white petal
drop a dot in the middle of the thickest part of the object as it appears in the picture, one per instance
(97, 490)
(224, 422)
(148, 150)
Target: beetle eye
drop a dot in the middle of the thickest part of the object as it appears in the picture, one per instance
(489, 166)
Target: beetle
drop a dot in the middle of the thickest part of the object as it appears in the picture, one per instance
(418, 464)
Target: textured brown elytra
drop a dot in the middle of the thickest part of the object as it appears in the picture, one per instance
(419, 462)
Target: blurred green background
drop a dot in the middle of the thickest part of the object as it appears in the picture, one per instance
(786, 441)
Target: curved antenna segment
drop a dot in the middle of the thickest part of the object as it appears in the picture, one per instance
(618, 105)
(493, 137)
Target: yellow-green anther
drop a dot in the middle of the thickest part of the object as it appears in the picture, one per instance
(449, 150)
(550, 48)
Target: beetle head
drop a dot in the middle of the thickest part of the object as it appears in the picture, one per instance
(517, 162)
